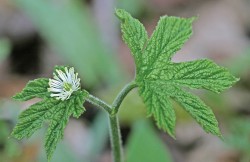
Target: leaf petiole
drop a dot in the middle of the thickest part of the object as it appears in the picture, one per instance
(120, 97)
(115, 134)
(112, 109)
(99, 103)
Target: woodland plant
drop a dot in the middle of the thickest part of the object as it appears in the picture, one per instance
(158, 79)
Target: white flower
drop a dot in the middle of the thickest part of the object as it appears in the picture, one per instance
(64, 84)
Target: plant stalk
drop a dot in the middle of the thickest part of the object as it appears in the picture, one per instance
(115, 133)
(115, 139)
(120, 97)
(99, 103)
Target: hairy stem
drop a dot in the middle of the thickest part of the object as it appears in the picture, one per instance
(115, 134)
(115, 138)
(120, 97)
(99, 103)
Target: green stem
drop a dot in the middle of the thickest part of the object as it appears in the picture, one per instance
(120, 97)
(115, 134)
(99, 103)
(115, 138)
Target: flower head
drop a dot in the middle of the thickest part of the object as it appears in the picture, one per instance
(64, 83)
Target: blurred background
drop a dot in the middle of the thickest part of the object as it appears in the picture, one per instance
(36, 35)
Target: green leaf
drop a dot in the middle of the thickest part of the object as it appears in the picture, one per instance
(31, 119)
(197, 109)
(35, 88)
(77, 103)
(60, 67)
(160, 80)
(55, 111)
(159, 106)
(145, 146)
(198, 74)
(133, 33)
(169, 36)
(56, 128)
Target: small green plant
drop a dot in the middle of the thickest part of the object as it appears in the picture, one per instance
(159, 81)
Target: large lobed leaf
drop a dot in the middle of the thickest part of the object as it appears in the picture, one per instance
(55, 111)
(159, 106)
(35, 88)
(160, 80)
(134, 34)
(168, 37)
(199, 74)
